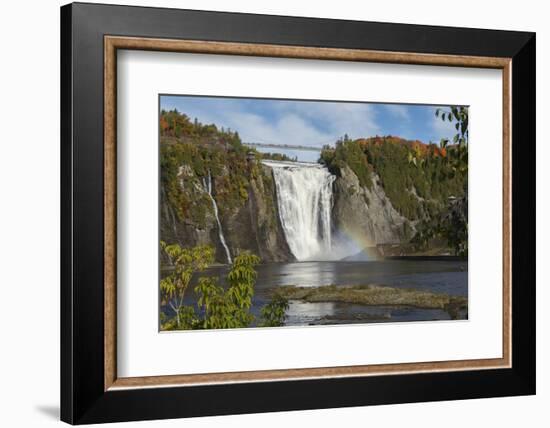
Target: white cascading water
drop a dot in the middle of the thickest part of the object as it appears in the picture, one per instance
(304, 199)
(207, 184)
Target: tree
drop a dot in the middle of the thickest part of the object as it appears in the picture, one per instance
(216, 307)
(458, 156)
(228, 308)
(274, 313)
(453, 224)
(185, 263)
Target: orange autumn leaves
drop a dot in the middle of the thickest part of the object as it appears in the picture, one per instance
(418, 147)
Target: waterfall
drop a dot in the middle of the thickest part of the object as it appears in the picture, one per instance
(304, 199)
(207, 184)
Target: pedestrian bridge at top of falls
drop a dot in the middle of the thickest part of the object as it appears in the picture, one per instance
(284, 146)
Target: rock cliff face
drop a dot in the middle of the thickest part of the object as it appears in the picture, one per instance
(252, 226)
(256, 226)
(367, 213)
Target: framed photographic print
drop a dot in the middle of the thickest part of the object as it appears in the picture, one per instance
(265, 213)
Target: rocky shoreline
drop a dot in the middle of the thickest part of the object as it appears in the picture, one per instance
(379, 295)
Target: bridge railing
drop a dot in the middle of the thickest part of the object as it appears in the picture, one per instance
(283, 146)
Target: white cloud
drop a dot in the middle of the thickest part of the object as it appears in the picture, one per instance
(294, 123)
(399, 111)
(286, 129)
(337, 119)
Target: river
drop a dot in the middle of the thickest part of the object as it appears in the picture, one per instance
(438, 276)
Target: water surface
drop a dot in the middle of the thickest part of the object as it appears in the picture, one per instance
(448, 277)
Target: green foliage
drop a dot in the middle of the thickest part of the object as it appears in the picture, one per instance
(459, 115)
(185, 263)
(458, 157)
(278, 157)
(350, 153)
(452, 225)
(228, 308)
(274, 313)
(455, 225)
(416, 189)
(189, 152)
(216, 307)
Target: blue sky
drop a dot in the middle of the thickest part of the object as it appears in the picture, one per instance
(311, 123)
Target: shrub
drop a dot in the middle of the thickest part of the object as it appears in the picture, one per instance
(216, 307)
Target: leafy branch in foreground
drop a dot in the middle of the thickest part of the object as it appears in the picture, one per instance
(185, 263)
(458, 156)
(274, 313)
(228, 308)
(216, 307)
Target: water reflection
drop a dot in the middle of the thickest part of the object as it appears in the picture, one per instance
(448, 277)
(300, 313)
(308, 274)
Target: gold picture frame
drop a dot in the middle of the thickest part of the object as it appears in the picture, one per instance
(114, 43)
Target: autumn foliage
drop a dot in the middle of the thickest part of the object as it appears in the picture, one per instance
(418, 189)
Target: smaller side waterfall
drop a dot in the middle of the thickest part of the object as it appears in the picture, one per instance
(207, 184)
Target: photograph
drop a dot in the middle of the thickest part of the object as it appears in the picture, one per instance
(282, 212)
